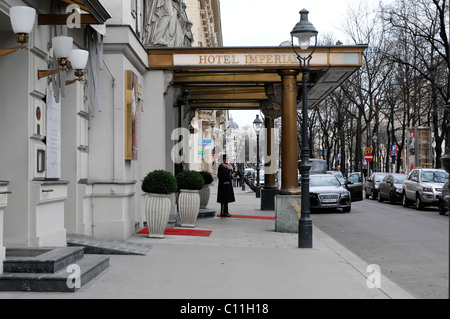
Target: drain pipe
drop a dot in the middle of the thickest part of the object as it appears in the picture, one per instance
(114, 119)
(92, 210)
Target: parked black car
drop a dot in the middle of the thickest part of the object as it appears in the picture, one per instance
(355, 186)
(327, 192)
(390, 188)
(371, 186)
(355, 177)
(444, 200)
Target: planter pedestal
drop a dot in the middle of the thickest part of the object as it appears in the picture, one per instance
(204, 196)
(188, 207)
(157, 212)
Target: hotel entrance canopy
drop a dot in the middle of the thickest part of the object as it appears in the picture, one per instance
(265, 78)
(235, 77)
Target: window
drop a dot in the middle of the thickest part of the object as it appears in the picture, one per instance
(399, 179)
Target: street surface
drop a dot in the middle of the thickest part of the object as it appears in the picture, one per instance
(411, 247)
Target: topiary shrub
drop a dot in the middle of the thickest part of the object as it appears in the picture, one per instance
(159, 182)
(207, 177)
(188, 179)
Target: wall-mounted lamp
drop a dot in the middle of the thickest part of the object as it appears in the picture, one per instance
(62, 47)
(78, 60)
(22, 22)
(192, 130)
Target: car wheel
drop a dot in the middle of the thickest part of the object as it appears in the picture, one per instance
(441, 208)
(392, 198)
(405, 201)
(419, 205)
(374, 194)
(379, 197)
(366, 194)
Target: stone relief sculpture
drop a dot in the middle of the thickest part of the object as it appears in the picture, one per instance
(166, 24)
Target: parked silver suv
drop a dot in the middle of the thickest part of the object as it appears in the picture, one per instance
(423, 187)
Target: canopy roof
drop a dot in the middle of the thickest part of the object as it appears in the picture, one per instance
(237, 77)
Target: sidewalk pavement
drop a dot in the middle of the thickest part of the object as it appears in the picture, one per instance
(242, 258)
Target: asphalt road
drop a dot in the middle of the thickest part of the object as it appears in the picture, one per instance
(411, 247)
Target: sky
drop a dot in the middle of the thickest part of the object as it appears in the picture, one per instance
(269, 23)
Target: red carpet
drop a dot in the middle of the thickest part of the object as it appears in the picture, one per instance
(249, 216)
(181, 231)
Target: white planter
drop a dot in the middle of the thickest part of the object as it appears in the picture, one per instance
(188, 206)
(157, 212)
(204, 196)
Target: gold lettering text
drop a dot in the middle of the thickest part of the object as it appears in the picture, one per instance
(253, 59)
(202, 59)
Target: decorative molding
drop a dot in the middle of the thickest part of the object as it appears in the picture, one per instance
(168, 80)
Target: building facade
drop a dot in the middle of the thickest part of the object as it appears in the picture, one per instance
(207, 142)
(74, 155)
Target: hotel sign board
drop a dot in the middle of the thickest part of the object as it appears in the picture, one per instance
(263, 59)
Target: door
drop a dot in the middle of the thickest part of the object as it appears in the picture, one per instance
(355, 187)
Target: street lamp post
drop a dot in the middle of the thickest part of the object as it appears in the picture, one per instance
(257, 125)
(375, 158)
(304, 31)
(348, 161)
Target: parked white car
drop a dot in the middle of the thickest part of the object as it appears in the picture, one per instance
(423, 187)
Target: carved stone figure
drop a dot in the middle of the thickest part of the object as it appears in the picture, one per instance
(158, 28)
(166, 24)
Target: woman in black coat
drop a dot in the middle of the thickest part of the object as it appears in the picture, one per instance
(225, 193)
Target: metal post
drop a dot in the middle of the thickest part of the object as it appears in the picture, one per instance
(304, 31)
(258, 186)
(305, 222)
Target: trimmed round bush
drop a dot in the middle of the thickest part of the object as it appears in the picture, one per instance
(159, 182)
(207, 177)
(188, 179)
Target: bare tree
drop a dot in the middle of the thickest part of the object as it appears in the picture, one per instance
(364, 89)
(421, 27)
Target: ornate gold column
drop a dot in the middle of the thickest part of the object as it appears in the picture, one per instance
(289, 157)
(269, 167)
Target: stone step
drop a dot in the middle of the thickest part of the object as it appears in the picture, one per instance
(206, 212)
(98, 245)
(67, 279)
(40, 260)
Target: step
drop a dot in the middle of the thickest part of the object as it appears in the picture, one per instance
(89, 267)
(99, 245)
(40, 260)
(206, 212)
